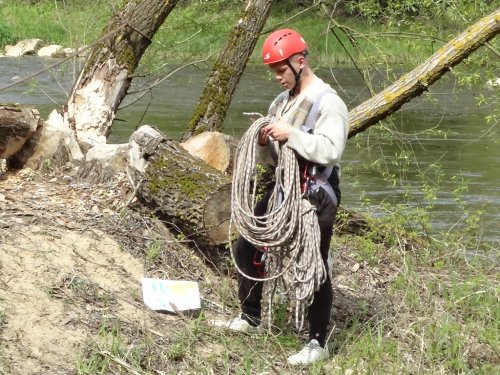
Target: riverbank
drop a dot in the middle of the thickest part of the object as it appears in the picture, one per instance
(72, 256)
(196, 30)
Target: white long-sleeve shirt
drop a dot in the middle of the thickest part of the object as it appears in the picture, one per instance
(327, 142)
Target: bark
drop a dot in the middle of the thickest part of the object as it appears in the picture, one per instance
(418, 80)
(180, 189)
(228, 69)
(17, 125)
(105, 78)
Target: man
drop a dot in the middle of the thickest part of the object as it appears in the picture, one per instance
(312, 119)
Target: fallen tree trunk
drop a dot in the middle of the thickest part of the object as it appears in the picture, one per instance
(18, 124)
(419, 79)
(183, 191)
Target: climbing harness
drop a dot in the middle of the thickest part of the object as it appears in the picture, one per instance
(315, 177)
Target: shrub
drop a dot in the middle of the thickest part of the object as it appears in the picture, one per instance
(6, 35)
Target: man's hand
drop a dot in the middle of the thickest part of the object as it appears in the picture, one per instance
(279, 131)
(263, 139)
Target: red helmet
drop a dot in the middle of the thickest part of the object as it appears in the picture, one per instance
(282, 44)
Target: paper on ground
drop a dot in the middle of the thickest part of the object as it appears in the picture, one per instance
(170, 295)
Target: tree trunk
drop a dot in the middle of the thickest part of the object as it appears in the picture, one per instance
(418, 80)
(105, 78)
(182, 190)
(218, 92)
(17, 125)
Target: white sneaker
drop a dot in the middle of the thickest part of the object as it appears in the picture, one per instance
(237, 324)
(310, 353)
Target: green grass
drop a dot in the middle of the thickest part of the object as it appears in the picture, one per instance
(420, 309)
(196, 31)
(53, 21)
(433, 320)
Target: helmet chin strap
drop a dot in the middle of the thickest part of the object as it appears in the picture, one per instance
(297, 78)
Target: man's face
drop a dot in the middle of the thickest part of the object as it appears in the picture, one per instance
(282, 72)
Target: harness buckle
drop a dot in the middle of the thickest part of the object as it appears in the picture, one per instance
(260, 265)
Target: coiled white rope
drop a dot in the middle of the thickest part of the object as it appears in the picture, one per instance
(289, 232)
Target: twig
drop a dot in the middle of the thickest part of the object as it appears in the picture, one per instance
(189, 37)
(155, 83)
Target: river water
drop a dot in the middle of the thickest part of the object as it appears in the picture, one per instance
(438, 135)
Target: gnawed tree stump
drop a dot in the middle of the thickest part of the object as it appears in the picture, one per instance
(17, 125)
(180, 189)
(103, 162)
(107, 74)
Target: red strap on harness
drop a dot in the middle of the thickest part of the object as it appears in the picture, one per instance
(260, 265)
(305, 179)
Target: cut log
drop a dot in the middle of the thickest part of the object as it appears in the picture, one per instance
(216, 149)
(103, 162)
(17, 125)
(180, 189)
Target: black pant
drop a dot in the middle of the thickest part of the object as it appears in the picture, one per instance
(248, 258)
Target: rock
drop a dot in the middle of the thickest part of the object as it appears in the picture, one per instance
(53, 50)
(70, 51)
(24, 47)
(18, 124)
(13, 51)
(493, 82)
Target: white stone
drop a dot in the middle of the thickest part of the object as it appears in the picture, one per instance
(53, 50)
(13, 51)
(69, 51)
(25, 47)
